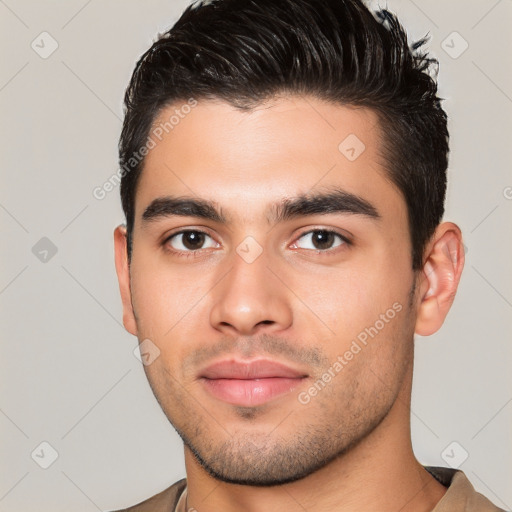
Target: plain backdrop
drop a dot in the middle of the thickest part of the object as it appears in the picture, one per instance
(69, 377)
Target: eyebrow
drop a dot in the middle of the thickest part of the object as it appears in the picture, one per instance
(334, 201)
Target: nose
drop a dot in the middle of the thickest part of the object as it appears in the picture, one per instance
(250, 300)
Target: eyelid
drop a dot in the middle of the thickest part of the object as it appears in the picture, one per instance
(345, 237)
(180, 231)
(165, 243)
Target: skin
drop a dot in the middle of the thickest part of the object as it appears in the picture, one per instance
(349, 447)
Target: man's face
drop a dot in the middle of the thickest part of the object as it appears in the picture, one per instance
(285, 328)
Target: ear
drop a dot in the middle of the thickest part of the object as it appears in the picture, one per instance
(439, 278)
(123, 276)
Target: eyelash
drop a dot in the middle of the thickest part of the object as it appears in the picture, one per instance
(194, 253)
(183, 254)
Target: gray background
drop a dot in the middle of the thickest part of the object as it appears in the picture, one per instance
(68, 373)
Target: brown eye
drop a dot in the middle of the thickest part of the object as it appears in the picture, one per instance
(190, 240)
(320, 240)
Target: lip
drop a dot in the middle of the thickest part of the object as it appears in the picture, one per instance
(250, 383)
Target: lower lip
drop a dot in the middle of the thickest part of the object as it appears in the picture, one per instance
(250, 392)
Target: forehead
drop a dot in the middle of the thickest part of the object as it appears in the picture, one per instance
(248, 160)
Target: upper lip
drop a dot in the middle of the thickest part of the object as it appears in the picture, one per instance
(245, 370)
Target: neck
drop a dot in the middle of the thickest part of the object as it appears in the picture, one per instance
(379, 474)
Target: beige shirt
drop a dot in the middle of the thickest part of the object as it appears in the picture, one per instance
(460, 496)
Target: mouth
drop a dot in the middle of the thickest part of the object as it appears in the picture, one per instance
(250, 383)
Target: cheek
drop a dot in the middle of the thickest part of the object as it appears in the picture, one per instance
(165, 299)
(344, 301)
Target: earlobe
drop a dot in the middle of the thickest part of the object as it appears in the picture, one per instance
(123, 276)
(440, 278)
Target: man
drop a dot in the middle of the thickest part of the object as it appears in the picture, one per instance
(284, 175)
